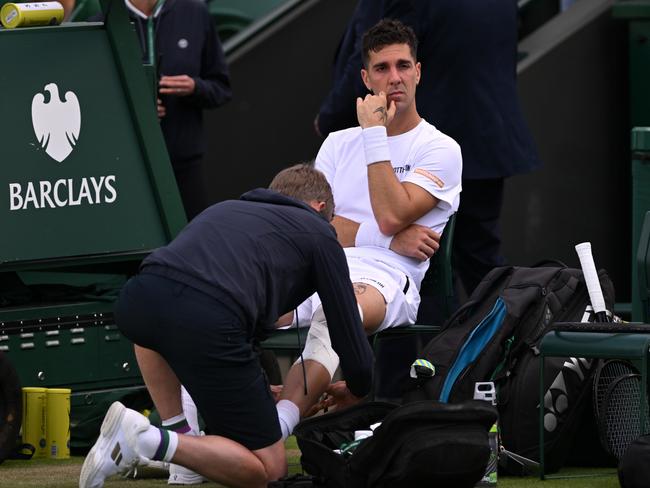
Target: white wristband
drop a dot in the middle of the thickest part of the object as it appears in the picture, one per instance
(370, 235)
(375, 144)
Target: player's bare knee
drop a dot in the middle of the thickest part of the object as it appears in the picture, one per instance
(373, 318)
(372, 306)
(370, 328)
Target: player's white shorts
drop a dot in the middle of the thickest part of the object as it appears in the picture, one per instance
(400, 293)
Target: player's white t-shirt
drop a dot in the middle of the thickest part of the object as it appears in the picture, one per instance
(423, 156)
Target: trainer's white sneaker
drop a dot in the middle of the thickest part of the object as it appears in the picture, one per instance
(115, 451)
(180, 475)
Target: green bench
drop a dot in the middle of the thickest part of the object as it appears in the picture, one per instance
(633, 347)
(643, 268)
(630, 346)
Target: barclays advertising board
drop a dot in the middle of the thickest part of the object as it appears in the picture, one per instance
(75, 172)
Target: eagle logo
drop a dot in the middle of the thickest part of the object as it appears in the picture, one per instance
(56, 123)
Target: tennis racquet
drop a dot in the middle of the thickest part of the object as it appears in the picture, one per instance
(593, 283)
(619, 409)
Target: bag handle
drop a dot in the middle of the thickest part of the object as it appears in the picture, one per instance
(23, 452)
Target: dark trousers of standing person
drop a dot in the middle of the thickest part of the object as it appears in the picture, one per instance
(191, 185)
(477, 237)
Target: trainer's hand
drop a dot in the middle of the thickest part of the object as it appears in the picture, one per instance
(339, 396)
(416, 241)
(374, 111)
(276, 391)
(179, 85)
(284, 320)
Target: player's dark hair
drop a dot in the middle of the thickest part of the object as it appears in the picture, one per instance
(386, 33)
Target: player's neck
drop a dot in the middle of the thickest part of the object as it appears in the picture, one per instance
(144, 6)
(404, 122)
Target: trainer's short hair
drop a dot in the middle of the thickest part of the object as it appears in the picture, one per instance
(306, 183)
(386, 33)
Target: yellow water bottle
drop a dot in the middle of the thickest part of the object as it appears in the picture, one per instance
(34, 419)
(58, 423)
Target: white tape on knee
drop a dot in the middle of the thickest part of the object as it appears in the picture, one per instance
(318, 346)
(360, 312)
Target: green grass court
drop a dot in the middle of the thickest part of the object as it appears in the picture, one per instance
(65, 474)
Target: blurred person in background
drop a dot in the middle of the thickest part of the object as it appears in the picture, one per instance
(179, 38)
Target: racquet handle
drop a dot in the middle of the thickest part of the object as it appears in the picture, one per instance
(591, 278)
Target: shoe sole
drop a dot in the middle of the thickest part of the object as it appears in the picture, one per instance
(193, 482)
(92, 466)
(185, 478)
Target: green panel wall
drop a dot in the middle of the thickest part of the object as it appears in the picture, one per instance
(97, 200)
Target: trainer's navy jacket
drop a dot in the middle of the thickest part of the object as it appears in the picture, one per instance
(186, 43)
(263, 255)
(468, 51)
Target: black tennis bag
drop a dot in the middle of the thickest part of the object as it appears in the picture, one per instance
(424, 443)
(495, 337)
(634, 468)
